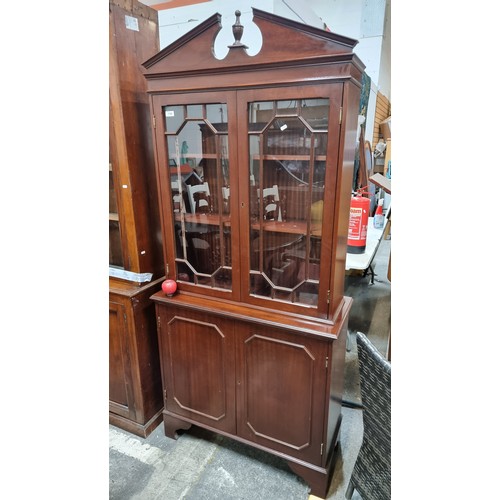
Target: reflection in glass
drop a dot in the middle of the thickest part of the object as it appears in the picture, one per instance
(287, 165)
(198, 162)
(115, 245)
(115, 242)
(287, 107)
(174, 117)
(194, 111)
(113, 207)
(217, 113)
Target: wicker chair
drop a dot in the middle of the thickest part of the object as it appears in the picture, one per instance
(371, 476)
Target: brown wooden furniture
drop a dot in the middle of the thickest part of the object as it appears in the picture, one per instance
(135, 396)
(253, 343)
(135, 245)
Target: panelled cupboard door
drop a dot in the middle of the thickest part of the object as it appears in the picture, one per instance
(281, 391)
(120, 387)
(198, 367)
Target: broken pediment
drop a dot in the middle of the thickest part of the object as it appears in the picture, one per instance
(283, 40)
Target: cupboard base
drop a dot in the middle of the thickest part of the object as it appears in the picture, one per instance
(173, 424)
(318, 478)
(141, 430)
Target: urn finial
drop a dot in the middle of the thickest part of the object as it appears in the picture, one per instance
(237, 32)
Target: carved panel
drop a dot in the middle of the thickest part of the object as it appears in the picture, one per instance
(279, 390)
(120, 392)
(197, 367)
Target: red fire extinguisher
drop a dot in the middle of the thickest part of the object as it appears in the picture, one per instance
(358, 221)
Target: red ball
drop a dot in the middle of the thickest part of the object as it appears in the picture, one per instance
(169, 287)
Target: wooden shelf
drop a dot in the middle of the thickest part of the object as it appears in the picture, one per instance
(292, 227)
(306, 157)
(209, 219)
(205, 156)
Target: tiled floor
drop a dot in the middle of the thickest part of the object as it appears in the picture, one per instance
(201, 465)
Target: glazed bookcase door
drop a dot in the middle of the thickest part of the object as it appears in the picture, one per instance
(196, 170)
(289, 148)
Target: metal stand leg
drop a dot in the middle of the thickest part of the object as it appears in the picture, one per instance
(373, 274)
(370, 269)
(349, 491)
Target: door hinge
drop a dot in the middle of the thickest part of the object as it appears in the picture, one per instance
(158, 322)
(340, 115)
(154, 121)
(167, 272)
(125, 317)
(328, 297)
(165, 394)
(326, 362)
(321, 452)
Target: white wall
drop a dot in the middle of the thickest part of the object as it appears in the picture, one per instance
(385, 59)
(367, 21)
(298, 10)
(174, 23)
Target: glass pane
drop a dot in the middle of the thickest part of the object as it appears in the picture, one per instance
(287, 107)
(315, 113)
(217, 114)
(287, 162)
(112, 194)
(195, 111)
(289, 137)
(115, 245)
(200, 195)
(174, 117)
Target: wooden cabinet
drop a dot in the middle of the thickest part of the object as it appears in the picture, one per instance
(254, 164)
(135, 243)
(198, 360)
(135, 391)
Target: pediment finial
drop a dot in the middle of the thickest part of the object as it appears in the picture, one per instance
(237, 33)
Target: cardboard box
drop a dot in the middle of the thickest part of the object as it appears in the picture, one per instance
(382, 182)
